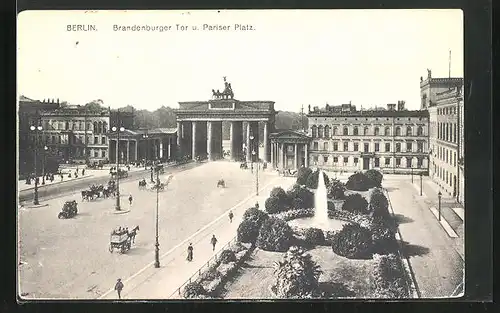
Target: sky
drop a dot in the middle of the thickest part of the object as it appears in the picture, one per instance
(291, 57)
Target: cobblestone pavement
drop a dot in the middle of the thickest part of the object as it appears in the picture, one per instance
(70, 258)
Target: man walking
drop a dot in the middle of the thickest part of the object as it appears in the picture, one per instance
(130, 199)
(213, 241)
(231, 215)
(119, 287)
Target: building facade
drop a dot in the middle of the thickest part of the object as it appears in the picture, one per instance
(289, 149)
(392, 140)
(446, 138)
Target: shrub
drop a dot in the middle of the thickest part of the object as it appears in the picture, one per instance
(359, 182)
(275, 235)
(227, 256)
(375, 176)
(256, 216)
(302, 175)
(278, 192)
(210, 274)
(300, 197)
(193, 290)
(391, 280)
(272, 205)
(383, 236)
(314, 236)
(294, 214)
(355, 203)
(336, 190)
(312, 180)
(297, 275)
(379, 204)
(353, 242)
(247, 232)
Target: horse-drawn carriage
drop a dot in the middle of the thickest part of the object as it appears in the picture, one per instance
(69, 210)
(122, 239)
(221, 183)
(99, 191)
(244, 166)
(120, 173)
(287, 172)
(142, 184)
(160, 186)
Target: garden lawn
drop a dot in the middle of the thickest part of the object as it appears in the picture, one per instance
(341, 277)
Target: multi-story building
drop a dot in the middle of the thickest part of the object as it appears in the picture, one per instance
(445, 106)
(392, 140)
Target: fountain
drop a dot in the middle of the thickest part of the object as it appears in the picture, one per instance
(320, 219)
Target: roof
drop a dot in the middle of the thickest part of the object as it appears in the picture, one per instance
(288, 133)
(26, 99)
(140, 132)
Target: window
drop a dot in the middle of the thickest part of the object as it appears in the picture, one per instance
(398, 162)
(419, 162)
(387, 131)
(346, 146)
(73, 125)
(335, 146)
(325, 159)
(356, 146)
(376, 131)
(365, 131)
(387, 161)
(366, 147)
(315, 159)
(95, 128)
(408, 146)
(96, 140)
(387, 147)
(103, 153)
(409, 131)
(398, 147)
(398, 131)
(377, 147)
(335, 159)
(420, 147)
(320, 132)
(446, 156)
(355, 132)
(420, 131)
(315, 146)
(334, 131)
(53, 139)
(377, 162)
(327, 131)
(346, 131)
(454, 158)
(355, 161)
(103, 140)
(408, 162)
(325, 146)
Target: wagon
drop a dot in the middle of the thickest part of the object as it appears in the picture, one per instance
(120, 242)
(69, 210)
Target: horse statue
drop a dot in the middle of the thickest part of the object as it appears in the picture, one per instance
(133, 233)
(221, 183)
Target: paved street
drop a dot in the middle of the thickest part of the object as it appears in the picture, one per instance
(70, 258)
(434, 256)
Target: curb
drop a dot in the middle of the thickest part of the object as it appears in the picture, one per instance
(40, 186)
(121, 212)
(36, 206)
(449, 230)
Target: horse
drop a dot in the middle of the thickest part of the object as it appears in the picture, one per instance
(133, 233)
(142, 183)
(87, 195)
(244, 166)
(221, 183)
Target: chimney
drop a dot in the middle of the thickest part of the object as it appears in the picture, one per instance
(391, 107)
(401, 105)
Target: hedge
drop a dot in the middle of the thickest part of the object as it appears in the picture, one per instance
(355, 203)
(353, 242)
(275, 235)
(360, 182)
(390, 278)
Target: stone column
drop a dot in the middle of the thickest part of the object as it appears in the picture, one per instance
(161, 148)
(169, 147)
(193, 146)
(231, 138)
(266, 142)
(283, 159)
(109, 150)
(248, 144)
(135, 151)
(296, 156)
(236, 137)
(209, 140)
(306, 156)
(128, 151)
(272, 155)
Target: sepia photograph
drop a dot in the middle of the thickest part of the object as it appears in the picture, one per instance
(240, 155)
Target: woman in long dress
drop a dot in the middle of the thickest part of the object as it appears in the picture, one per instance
(190, 252)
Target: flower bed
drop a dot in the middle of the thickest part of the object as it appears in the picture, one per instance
(391, 280)
(294, 214)
(212, 278)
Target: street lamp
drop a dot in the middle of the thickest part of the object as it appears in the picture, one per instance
(118, 130)
(36, 129)
(439, 205)
(253, 151)
(256, 175)
(412, 175)
(420, 184)
(157, 244)
(45, 148)
(146, 136)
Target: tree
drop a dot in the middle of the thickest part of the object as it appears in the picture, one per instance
(355, 203)
(95, 106)
(247, 231)
(375, 176)
(256, 216)
(302, 175)
(301, 197)
(379, 204)
(312, 180)
(359, 182)
(353, 242)
(272, 205)
(336, 190)
(275, 235)
(297, 276)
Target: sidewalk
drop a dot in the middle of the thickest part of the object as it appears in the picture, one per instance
(162, 283)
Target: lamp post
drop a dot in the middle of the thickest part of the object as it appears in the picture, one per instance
(45, 148)
(420, 183)
(117, 130)
(256, 174)
(157, 244)
(253, 152)
(412, 175)
(36, 129)
(146, 136)
(439, 205)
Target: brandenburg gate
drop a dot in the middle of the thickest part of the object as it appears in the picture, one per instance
(199, 127)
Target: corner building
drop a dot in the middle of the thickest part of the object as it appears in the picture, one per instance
(392, 140)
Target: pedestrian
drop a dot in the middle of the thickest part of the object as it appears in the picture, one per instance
(130, 199)
(213, 241)
(190, 253)
(119, 287)
(256, 205)
(62, 177)
(231, 215)
(77, 170)
(83, 172)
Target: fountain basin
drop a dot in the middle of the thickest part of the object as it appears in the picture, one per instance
(325, 225)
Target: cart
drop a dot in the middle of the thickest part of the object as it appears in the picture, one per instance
(69, 210)
(120, 242)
